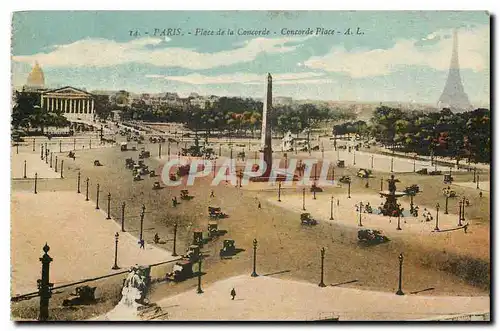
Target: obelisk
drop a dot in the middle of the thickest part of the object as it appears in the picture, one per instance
(266, 126)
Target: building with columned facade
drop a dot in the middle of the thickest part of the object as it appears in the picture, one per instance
(75, 104)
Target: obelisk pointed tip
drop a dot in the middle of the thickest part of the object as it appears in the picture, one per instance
(269, 76)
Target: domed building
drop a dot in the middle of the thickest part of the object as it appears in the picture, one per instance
(36, 78)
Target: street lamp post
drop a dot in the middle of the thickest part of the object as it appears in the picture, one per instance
(354, 157)
(414, 157)
(279, 191)
(60, 146)
(78, 183)
(87, 191)
(115, 266)
(400, 291)
(142, 221)
(474, 178)
(331, 208)
(460, 206)
(36, 179)
(174, 253)
(24, 173)
(477, 182)
(392, 164)
(463, 209)
(199, 290)
(303, 198)
(62, 168)
(321, 283)
(437, 218)
(55, 167)
(399, 220)
(123, 216)
(349, 189)
(109, 206)
(44, 285)
(97, 198)
(411, 201)
(360, 211)
(254, 272)
(51, 159)
(33, 144)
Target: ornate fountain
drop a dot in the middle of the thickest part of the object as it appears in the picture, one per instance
(391, 206)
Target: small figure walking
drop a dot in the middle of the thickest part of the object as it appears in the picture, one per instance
(157, 238)
(233, 293)
(465, 227)
(141, 243)
(480, 194)
(212, 195)
(259, 205)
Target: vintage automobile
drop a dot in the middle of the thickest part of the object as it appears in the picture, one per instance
(182, 270)
(83, 295)
(364, 173)
(306, 219)
(371, 236)
(215, 212)
(228, 248)
(144, 154)
(185, 195)
(448, 179)
(345, 179)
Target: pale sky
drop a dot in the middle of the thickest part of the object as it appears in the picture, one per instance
(400, 56)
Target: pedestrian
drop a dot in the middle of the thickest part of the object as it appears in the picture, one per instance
(465, 227)
(212, 195)
(259, 206)
(480, 194)
(233, 293)
(141, 243)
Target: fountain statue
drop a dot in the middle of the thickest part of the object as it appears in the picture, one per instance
(134, 292)
(391, 206)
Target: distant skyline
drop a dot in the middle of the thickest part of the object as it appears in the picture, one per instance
(400, 56)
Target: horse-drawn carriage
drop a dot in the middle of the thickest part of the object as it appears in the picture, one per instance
(306, 219)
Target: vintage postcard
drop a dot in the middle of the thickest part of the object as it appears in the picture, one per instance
(250, 166)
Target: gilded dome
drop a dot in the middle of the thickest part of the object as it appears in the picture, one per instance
(36, 77)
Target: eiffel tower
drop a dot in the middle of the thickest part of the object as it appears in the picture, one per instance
(454, 96)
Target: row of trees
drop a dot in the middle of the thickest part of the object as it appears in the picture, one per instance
(238, 116)
(28, 116)
(459, 135)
